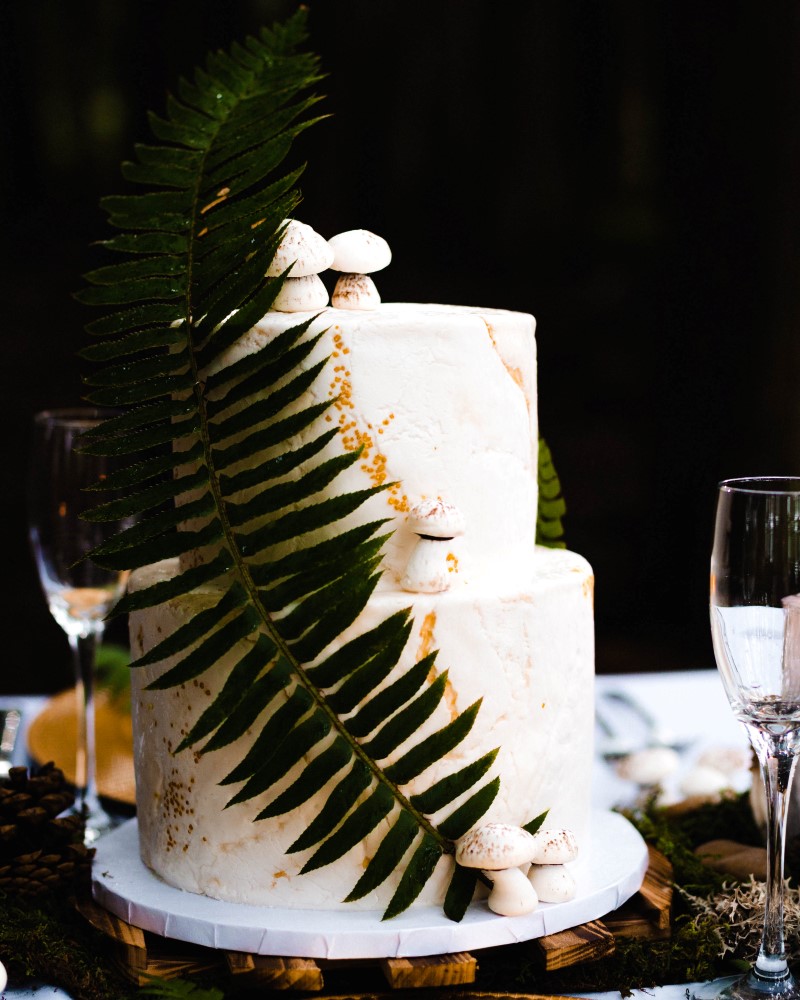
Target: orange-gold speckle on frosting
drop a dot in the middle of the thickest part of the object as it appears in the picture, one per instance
(176, 805)
(425, 396)
(426, 636)
(353, 437)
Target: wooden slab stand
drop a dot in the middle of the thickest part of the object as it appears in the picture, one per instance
(141, 954)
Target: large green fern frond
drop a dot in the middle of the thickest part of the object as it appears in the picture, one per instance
(212, 471)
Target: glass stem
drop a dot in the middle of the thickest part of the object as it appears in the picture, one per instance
(83, 652)
(776, 755)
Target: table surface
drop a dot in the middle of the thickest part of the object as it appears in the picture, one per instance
(691, 703)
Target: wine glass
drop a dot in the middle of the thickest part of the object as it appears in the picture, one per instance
(755, 625)
(79, 593)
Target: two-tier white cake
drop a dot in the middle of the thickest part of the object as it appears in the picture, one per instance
(442, 400)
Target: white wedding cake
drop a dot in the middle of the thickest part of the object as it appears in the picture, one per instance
(441, 400)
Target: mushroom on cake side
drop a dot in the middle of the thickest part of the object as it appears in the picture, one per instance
(499, 850)
(432, 563)
(553, 850)
(524, 869)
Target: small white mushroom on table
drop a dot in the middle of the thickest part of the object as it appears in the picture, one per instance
(432, 563)
(717, 770)
(499, 850)
(649, 766)
(357, 254)
(309, 254)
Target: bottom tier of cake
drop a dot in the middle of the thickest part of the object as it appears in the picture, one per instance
(526, 650)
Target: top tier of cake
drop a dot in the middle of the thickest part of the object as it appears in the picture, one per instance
(442, 399)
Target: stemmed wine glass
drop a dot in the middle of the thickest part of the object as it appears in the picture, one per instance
(755, 624)
(79, 594)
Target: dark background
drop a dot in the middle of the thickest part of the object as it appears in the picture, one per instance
(626, 171)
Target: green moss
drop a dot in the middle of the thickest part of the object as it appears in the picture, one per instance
(677, 836)
(46, 940)
(689, 955)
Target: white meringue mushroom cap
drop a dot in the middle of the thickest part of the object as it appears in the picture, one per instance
(494, 847)
(436, 518)
(359, 251)
(553, 883)
(649, 766)
(303, 247)
(554, 847)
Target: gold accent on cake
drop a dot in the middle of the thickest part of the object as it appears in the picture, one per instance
(426, 637)
(515, 373)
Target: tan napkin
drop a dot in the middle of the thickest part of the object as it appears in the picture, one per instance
(52, 736)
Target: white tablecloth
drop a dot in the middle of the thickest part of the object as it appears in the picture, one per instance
(691, 703)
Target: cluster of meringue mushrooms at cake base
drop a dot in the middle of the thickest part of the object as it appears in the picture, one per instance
(355, 255)
(524, 869)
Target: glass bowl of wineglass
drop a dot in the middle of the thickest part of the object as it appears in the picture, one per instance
(79, 594)
(755, 626)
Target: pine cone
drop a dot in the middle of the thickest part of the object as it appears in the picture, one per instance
(40, 851)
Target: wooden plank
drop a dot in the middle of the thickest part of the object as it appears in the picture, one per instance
(646, 915)
(585, 943)
(656, 890)
(172, 967)
(434, 970)
(239, 962)
(130, 943)
(110, 925)
(461, 995)
(275, 973)
(630, 922)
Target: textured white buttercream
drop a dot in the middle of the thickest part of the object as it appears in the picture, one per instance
(443, 401)
(526, 651)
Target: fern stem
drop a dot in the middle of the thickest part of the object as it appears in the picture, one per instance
(243, 572)
(241, 568)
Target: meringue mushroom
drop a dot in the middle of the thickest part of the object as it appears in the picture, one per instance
(553, 883)
(498, 850)
(512, 893)
(705, 781)
(554, 847)
(432, 564)
(355, 291)
(301, 295)
(727, 759)
(495, 846)
(357, 254)
(649, 766)
(308, 254)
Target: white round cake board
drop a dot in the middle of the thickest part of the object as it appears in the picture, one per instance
(609, 873)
